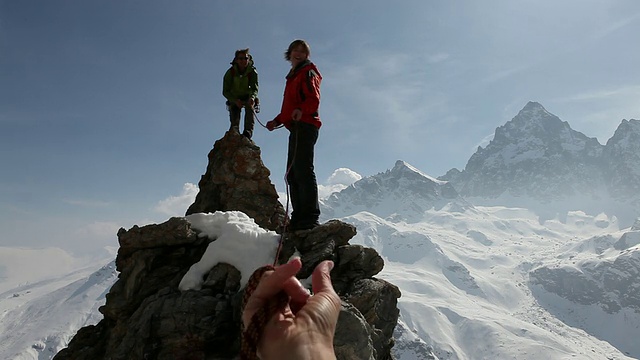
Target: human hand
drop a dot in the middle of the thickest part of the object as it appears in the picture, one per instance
(305, 327)
(272, 125)
(296, 114)
(239, 103)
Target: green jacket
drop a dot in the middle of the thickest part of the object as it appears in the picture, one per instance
(237, 85)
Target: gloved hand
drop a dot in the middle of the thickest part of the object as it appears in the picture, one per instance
(272, 124)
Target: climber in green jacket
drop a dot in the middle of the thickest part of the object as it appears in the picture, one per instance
(240, 88)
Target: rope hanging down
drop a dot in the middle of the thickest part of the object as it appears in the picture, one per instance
(258, 322)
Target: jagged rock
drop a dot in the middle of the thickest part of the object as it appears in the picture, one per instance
(539, 162)
(535, 154)
(400, 192)
(611, 284)
(353, 338)
(622, 161)
(236, 179)
(375, 299)
(147, 317)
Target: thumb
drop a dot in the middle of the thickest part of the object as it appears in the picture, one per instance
(321, 277)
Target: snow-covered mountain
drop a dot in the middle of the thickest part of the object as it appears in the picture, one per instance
(501, 283)
(477, 283)
(482, 276)
(621, 157)
(539, 162)
(401, 192)
(535, 154)
(37, 319)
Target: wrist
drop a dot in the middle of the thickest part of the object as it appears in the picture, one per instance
(302, 352)
(308, 346)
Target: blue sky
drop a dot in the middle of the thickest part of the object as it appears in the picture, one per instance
(108, 108)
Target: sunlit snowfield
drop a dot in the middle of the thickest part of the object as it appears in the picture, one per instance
(463, 276)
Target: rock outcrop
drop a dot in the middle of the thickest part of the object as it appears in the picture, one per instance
(608, 279)
(402, 192)
(535, 154)
(236, 179)
(146, 316)
(622, 161)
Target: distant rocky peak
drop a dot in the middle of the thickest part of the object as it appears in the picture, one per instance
(405, 169)
(627, 134)
(534, 121)
(403, 191)
(534, 110)
(535, 129)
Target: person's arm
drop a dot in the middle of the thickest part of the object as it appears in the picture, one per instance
(311, 91)
(253, 84)
(227, 84)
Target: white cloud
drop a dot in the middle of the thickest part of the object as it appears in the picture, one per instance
(177, 205)
(339, 180)
(343, 176)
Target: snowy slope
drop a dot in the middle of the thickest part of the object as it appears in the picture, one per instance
(467, 276)
(37, 319)
(465, 284)
(477, 282)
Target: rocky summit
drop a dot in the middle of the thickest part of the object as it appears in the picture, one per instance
(236, 179)
(146, 316)
(540, 157)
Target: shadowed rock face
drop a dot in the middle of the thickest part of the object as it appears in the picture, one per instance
(611, 283)
(147, 317)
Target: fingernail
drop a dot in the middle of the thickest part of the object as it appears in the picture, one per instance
(330, 264)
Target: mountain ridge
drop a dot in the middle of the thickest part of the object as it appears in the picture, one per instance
(475, 278)
(540, 157)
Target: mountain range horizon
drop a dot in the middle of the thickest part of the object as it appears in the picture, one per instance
(535, 243)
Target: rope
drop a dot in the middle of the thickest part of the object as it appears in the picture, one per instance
(259, 320)
(251, 335)
(255, 114)
(288, 191)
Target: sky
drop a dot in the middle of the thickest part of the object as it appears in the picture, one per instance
(109, 108)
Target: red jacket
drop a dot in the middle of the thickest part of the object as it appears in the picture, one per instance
(302, 92)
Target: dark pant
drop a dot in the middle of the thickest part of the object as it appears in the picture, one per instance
(303, 188)
(234, 115)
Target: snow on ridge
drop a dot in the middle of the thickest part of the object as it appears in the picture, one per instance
(400, 164)
(38, 320)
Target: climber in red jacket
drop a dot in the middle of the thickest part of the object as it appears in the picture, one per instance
(299, 114)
